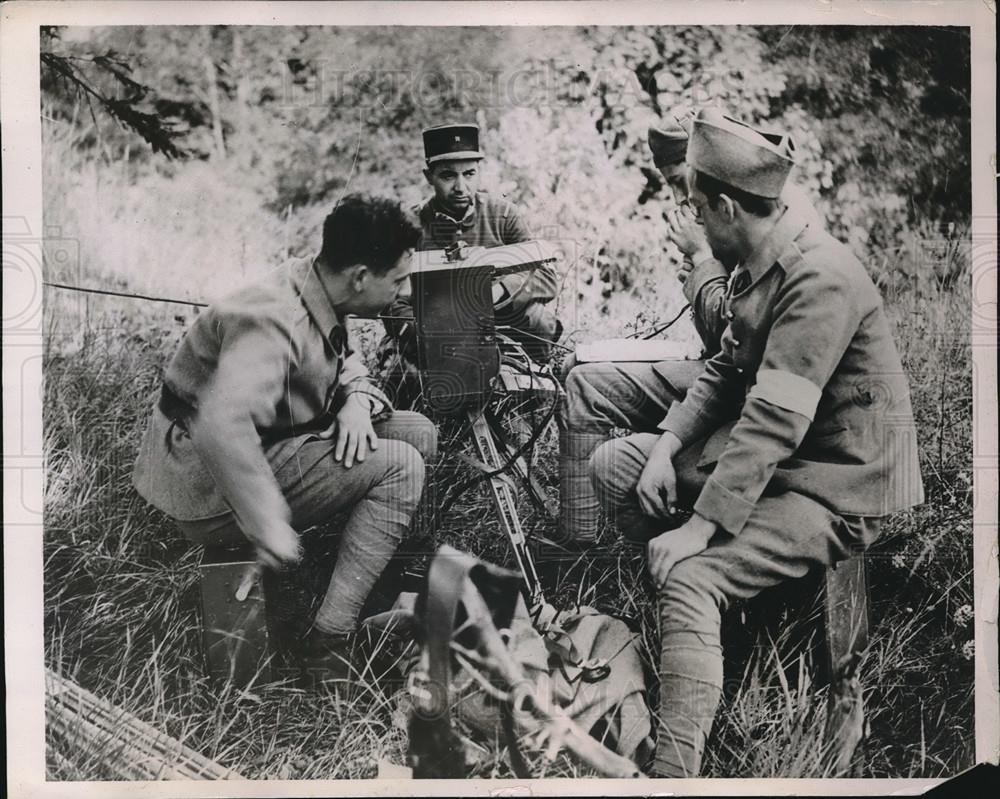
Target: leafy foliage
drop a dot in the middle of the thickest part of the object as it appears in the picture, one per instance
(69, 73)
(880, 116)
(892, 107)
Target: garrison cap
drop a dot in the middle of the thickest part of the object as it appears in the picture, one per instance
(451, 143)
(669, 143)
(756, 161)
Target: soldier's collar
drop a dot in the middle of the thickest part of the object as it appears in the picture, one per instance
(770, 251)
(468, 218)
(310, 289)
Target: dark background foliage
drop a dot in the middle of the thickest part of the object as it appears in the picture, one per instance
(880, 115)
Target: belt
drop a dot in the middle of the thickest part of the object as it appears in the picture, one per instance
(177, 410)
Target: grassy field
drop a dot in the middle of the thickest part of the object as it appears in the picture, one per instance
(121, 613)
(121, 606)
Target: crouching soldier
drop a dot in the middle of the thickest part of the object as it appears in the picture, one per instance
(792, 445)
(267, 425)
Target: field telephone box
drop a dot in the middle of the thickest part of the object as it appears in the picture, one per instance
(457, 345)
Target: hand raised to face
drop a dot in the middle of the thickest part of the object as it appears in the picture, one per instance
(686, 232)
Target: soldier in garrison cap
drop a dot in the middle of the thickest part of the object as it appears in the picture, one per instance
(791, 447)
(702, 276)
(460, 211)
(594, 404)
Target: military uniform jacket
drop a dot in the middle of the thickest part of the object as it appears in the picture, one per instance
(490, 222)
(256, 376)
(705, 288)
(810, 374)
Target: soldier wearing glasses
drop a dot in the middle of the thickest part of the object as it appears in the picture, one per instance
(792, 445)
(636, 396)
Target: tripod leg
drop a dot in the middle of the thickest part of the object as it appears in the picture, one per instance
(535, 491)
(506, 505)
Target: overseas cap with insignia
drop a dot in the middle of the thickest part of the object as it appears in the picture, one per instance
(451, 143)
(669, 143)
(756, 161)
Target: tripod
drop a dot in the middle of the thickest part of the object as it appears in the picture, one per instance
(497, 453)
(461, 369)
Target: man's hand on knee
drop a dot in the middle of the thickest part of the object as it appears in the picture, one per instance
(670, 548)
(354, 431)
(657, 486)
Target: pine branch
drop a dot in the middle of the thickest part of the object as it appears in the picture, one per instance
(153, 130)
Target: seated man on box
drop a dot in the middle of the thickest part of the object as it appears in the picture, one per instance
(635, 396)
(267, 425)
(459, 211)
(792, 445)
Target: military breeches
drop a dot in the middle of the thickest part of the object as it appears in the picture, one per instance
(787, 535)
(600, 397)
(634, 396)
(381, 494)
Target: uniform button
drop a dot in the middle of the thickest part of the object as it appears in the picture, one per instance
(736, 342)
(739, 370)
(730, 315)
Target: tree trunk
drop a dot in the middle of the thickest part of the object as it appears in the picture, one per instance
(239, 73)
(211, 76)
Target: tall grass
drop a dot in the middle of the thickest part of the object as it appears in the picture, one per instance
(121, 611)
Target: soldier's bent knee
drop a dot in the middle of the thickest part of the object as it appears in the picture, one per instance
(577, 380)
(424, 436)
(689, 597)
(580, 410)
(404, 462)
(605, 469)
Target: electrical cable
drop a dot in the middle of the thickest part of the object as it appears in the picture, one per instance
(530, 442)
(548, 341)
(660, 329)
(110, 293)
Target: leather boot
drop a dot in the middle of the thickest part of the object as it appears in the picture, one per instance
(364, 655)
(578, 506)
(327, 658)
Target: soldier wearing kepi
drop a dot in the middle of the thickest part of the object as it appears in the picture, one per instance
(792, 445)
(460, 211)
(267, 424)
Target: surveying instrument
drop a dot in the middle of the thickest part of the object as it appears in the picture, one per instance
(464, 360)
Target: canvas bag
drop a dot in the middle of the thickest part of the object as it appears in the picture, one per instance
(588, 663)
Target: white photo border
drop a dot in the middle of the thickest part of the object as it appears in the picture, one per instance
(23, 464)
